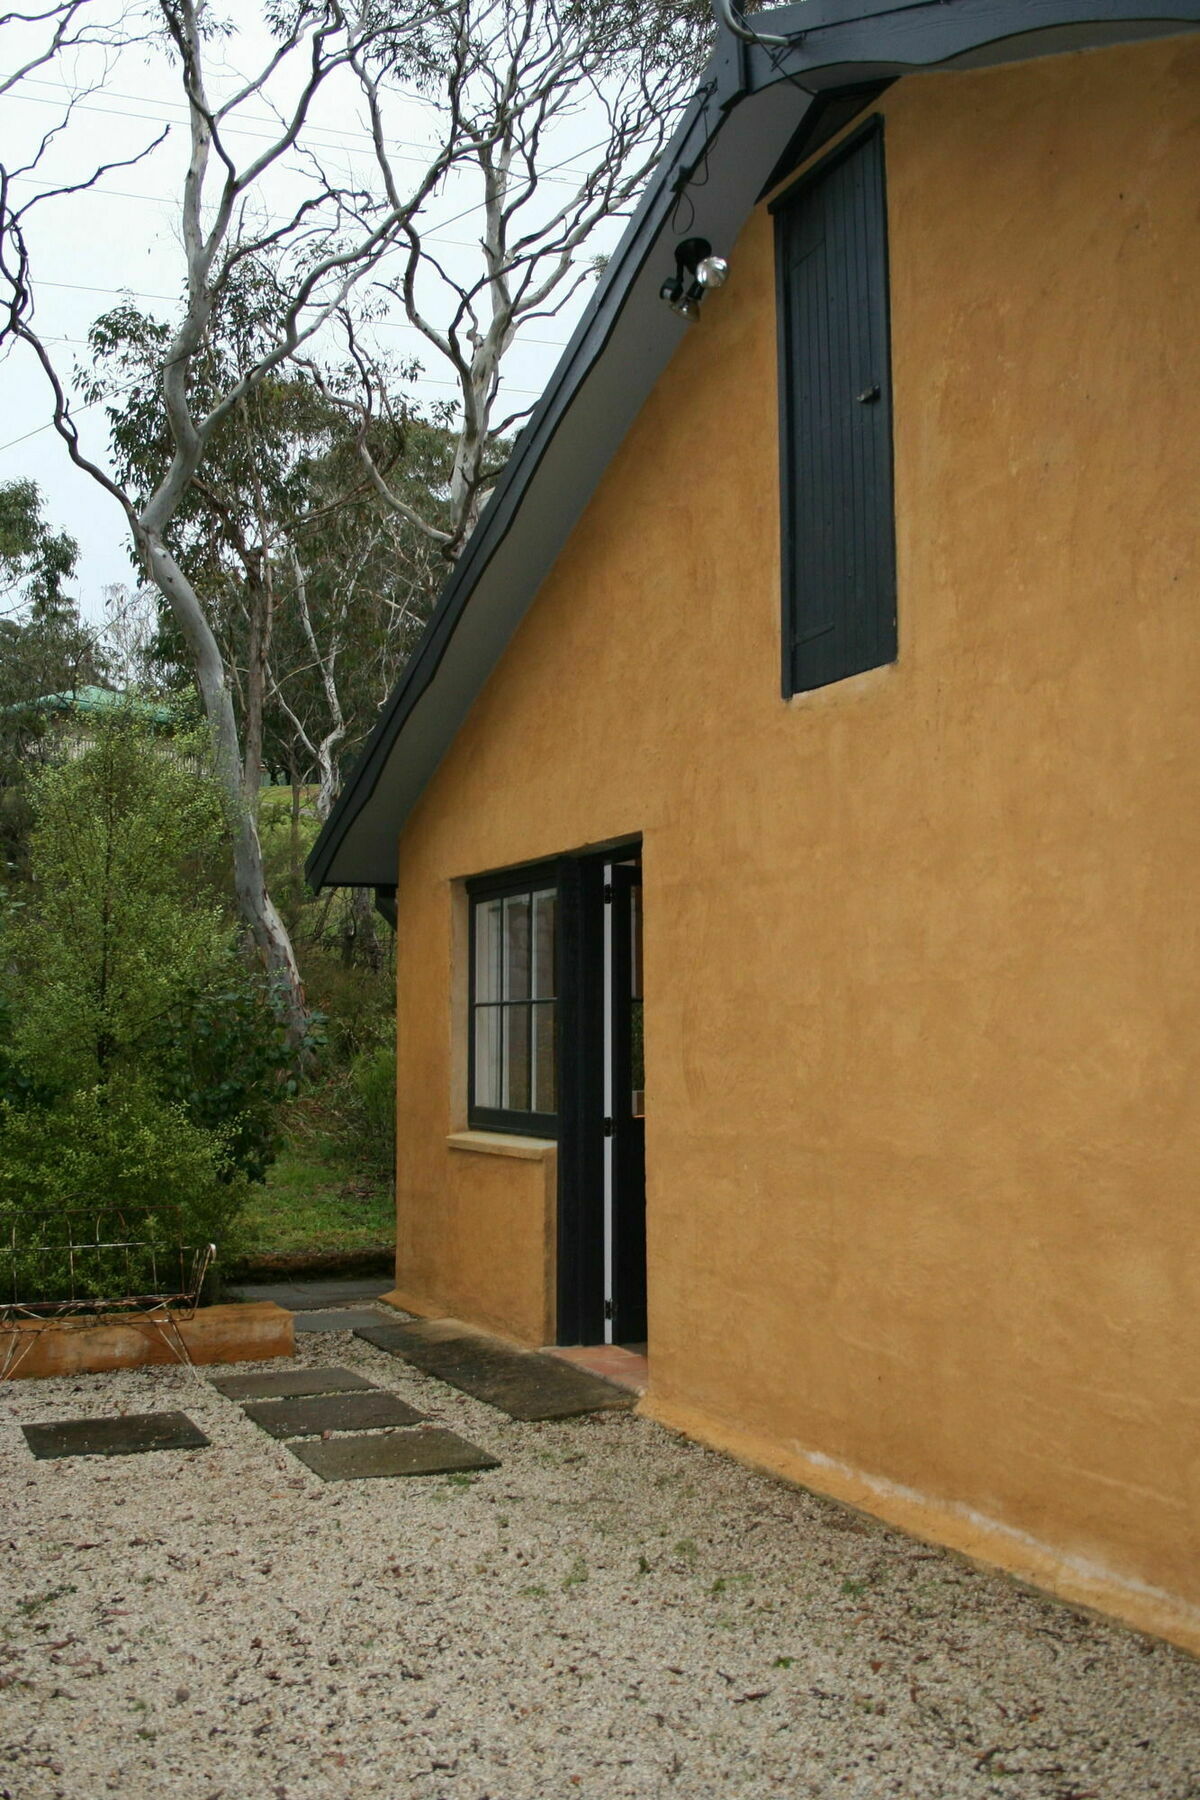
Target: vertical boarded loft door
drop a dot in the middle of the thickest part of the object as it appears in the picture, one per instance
(839, 565)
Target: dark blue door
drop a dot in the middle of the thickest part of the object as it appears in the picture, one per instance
(839, 575)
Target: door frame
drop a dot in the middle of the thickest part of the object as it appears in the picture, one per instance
(581, 1089)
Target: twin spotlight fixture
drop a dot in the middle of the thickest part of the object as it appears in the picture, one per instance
(696, 271)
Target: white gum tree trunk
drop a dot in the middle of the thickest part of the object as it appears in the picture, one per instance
(255, 905)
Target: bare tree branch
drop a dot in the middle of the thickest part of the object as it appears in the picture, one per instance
(518, 72)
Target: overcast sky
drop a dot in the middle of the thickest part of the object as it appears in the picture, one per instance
(121, 238)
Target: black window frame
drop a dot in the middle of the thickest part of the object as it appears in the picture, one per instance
(530, 879)
(793, 679)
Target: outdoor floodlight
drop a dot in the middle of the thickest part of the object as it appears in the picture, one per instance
(696, 270)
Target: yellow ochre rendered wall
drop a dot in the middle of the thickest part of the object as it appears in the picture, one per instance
(922, 955)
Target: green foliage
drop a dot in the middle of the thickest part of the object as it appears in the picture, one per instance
(122, 967)
(44, 649)
(125, 923)
(256, 458)
(284, 504)
(313, 1198)
(31, 555)
(106, 1151)
(18, 1088)
(357, 1002)
(372, 1093)
(223, 1056)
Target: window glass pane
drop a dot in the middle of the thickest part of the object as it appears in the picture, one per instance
(487, 1055)
(487, 950)
(516, 1058)
(513, 1005)
(516, 947)
(543, 945)
(545, 1099)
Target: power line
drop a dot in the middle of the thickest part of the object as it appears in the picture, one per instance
(431, 237)
(421, 380)
(454, 219)
(263, 118)
(427, 237)
(81, 287)
(128, 387)
(116, 112)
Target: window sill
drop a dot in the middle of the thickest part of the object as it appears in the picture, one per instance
(499, 1143)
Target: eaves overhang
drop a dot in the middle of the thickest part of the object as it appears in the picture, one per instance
(735, 137)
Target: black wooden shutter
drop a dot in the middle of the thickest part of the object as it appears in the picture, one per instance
(839, 562)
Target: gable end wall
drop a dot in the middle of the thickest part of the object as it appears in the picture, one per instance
(922, 949)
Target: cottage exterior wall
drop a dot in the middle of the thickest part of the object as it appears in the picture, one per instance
(922, 953)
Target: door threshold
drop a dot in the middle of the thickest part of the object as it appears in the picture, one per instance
(626, 1368)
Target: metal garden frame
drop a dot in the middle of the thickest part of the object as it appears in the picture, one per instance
(107, 1275)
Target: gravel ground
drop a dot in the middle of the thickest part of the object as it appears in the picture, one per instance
(613, 1612)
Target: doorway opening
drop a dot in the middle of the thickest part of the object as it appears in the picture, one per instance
(624, 1108)
(602, 1158)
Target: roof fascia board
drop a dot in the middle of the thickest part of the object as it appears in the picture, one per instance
(874, 39)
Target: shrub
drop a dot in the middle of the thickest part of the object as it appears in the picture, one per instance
(358, 1004)
(104, 1151)
(123, 921)
(224, 1058)
(121, 966)
(372, 1107)
(18, 1088)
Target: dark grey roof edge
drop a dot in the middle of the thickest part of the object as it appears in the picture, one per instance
(698, 125)
(833, 41)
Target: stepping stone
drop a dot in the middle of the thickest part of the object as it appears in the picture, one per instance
(332, 1412)
(397, 1453)
(522, 1383)
(130, 1435)
(290, 1384)
(343, 1319)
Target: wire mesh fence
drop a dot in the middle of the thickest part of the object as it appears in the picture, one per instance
(70, 1270)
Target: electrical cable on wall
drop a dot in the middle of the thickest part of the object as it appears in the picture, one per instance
(729, 16)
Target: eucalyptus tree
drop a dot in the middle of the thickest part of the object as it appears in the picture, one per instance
(234, 522)
(34, 559)
(508, 83)
(314, 589)
(617, 72)
(356, 583)
(323, 246)
(45, 648)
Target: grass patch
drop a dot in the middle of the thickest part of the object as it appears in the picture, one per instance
(315, 1198)
(27, 1608)
(575, 1576)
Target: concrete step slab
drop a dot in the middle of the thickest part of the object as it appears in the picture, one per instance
(131, 1434)
(430, 1452)
(525, 1384)
(291, 1384)
(309, 1417)
(315, 1296)
(344, 1319)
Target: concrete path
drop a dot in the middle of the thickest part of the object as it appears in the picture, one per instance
(315, 1296)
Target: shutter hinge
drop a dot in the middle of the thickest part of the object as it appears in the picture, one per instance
(608, 893)
(608, 1309)
(608, 1127)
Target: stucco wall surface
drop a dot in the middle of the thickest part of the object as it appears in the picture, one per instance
(922, 951)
